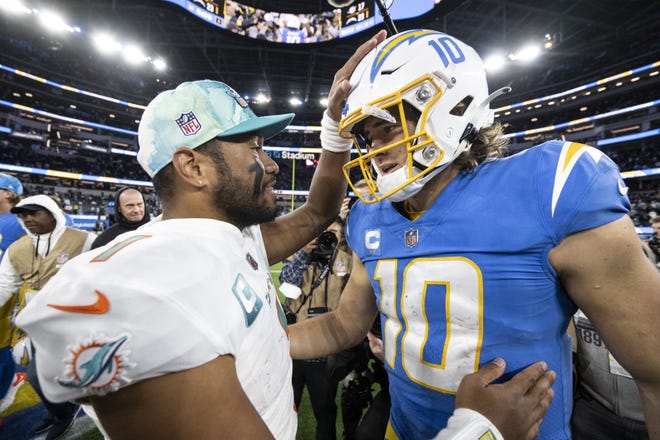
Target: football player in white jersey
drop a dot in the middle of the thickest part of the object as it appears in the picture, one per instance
(175, 330)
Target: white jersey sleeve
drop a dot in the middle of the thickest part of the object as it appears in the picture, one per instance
(10, 280)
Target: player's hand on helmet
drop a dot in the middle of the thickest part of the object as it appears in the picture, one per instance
(515, 407)
(340, 85)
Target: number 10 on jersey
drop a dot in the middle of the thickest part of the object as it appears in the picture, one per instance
(434, 362)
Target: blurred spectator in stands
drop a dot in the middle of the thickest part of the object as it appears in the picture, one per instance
(29, 263)
(130, 214)
(10, 230)
(654, 241)
(234, 17)
(639, 217)
(290, 30)
(68, 220)
(100, 225)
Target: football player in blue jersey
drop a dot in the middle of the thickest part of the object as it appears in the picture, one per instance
(469, 255)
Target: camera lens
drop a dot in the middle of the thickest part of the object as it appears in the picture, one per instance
(326, 243)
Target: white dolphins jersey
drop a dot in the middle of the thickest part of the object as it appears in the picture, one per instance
(167, 297)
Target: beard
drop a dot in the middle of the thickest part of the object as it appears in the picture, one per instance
(244, 208)
(244, 204)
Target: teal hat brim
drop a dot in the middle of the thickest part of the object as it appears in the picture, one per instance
(269, 126)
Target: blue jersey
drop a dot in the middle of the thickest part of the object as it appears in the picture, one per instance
(470, 279)
(10, 231)
(292, 35)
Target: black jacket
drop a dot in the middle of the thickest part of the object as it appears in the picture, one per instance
(122, 224)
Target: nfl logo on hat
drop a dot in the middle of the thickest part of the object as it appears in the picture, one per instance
(188, 124)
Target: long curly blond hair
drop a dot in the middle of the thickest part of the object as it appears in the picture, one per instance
(490, 145)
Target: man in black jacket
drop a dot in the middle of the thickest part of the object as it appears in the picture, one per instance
(130, 213)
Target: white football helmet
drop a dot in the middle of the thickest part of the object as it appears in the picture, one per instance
(440, 77)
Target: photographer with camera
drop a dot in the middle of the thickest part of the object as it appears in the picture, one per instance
(321, 270)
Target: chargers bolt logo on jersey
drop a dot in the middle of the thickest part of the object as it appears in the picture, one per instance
(188, 124)
(97, 365)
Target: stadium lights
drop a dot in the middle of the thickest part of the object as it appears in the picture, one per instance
(295, 102)
(55, 22)
(108, 45)
(261, 99)
(14, 7)
(323, 102)
(625, 129)
(105, 43)
(494, 63)
(159, 64)
(526, 54)
(548, 41)
(134, 54)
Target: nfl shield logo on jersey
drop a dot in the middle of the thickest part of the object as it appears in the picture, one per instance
(188, 124)
(412, 237)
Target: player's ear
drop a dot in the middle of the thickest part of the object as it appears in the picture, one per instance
(188, 165)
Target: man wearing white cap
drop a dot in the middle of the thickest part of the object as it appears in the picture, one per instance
(175, 330)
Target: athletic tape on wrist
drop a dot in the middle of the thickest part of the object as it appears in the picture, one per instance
(330, 139)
